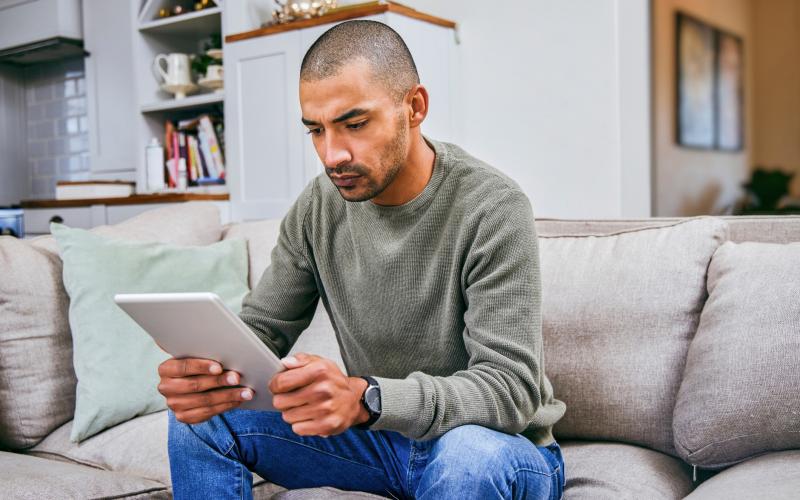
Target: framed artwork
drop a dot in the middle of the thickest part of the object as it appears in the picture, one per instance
(730, 113)
(709, 86)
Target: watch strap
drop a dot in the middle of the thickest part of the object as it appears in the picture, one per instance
(373, 416)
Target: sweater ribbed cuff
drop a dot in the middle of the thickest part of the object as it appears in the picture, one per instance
(403, 407)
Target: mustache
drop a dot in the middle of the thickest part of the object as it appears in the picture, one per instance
(346, 169)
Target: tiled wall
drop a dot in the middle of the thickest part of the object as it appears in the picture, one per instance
(58, 141)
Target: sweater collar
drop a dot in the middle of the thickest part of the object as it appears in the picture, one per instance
(424, 198)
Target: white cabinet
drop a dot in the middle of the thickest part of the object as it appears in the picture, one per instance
(26, 21)
(37, 220)
(264, 138)
(111, 89)
(271, 158)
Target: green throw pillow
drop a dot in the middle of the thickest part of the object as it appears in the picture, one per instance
(115, 361)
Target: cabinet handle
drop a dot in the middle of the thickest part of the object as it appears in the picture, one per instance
(57, 219)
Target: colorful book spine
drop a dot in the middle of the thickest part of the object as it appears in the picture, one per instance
(213, 145)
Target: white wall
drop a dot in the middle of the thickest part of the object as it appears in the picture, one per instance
(776, 75)
(14, 184)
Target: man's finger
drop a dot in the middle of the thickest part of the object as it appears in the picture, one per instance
(209, 398)
(302, 413)
(295, 378)
(189, 366)
(197, 415)
(305, 395)
(170, 386)
(297, 360)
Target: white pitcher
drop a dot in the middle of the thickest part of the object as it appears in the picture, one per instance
(177, 70)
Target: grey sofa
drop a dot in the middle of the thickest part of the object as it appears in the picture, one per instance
(660, 336)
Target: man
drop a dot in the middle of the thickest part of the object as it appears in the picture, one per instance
(426, 260)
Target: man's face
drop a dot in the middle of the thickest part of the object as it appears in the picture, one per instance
(358, 129)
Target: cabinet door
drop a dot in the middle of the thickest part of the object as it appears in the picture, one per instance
(264, 135)
(110, 87)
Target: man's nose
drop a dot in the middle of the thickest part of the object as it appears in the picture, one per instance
(336, 153)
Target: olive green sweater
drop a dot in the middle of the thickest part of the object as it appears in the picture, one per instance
(439, 299)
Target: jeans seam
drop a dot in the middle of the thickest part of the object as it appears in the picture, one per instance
(412, 459)
(551, 474)
(312, 448)
(241, 481)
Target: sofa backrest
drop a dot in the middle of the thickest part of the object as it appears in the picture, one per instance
(765, 228)
(37, 380)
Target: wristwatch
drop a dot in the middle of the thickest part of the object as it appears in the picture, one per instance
(371, 401)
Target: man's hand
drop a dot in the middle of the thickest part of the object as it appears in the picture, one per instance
(316, 397)
(197, 389)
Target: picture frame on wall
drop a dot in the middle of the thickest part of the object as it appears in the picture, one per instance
(695, 83)
(729, 92)
(709, 86)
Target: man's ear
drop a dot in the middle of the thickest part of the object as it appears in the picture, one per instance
(418, 105)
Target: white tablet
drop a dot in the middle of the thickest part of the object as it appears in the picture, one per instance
(199, 325)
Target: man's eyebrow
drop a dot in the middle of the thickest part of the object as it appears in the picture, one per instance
(350, 114)
(346, 116)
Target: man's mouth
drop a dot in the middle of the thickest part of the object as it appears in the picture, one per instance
(345, 180)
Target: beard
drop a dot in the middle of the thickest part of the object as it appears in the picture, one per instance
(377, 180)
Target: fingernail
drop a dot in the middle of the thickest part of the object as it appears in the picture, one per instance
(247, 395)
(215, 369)
(290, 359)
(231, 378)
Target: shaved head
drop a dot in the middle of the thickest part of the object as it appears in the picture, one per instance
(376, 43)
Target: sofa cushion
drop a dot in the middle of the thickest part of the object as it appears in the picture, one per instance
(740, 394)
(262, 236)
(138, 447)
(26, 477)
(615, 471)
(115, 360)
(775, 476)
(37, 381)
(618, 312)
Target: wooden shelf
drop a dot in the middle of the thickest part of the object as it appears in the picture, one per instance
(342, 14)
(203, 22)
(188, 102)
(136, 199)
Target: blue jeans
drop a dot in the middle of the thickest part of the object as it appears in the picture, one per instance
(214, 459)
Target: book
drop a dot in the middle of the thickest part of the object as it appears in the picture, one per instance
(170, 166)
(83, 190)
(207, 127)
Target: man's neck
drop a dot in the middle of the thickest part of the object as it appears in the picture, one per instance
(413, 177)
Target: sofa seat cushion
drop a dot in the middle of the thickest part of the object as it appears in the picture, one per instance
(616, 471)
(138, 447)
(37, 380)
(775, 476)
(26, 477)
(739, 396)
(618, 313)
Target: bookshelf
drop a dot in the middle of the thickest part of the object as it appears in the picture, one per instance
(185, 33)
(198, 102)
(206, 20)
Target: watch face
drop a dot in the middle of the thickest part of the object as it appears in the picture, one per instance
(373, 399)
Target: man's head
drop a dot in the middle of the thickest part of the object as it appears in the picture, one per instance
(362, 103)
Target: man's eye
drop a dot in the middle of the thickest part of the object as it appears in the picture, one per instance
(314, 131)
(356, 126)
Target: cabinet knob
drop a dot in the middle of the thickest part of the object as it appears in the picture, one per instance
(57, 219)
